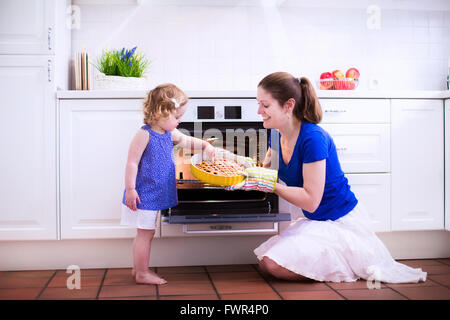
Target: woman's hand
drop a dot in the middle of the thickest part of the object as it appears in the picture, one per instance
(131, 196)
(257, 178)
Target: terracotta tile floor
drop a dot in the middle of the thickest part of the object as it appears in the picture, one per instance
(225, 282)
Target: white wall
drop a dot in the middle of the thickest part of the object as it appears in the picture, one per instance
(231, 45)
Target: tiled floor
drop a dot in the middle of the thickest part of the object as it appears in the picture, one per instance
(228, 282)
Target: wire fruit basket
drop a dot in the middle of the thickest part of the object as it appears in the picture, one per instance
(338, 84)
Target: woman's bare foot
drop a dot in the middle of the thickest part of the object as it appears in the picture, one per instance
(149, 278)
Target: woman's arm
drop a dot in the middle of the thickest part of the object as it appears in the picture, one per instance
(308, 197)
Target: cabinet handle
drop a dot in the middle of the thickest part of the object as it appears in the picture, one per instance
(49, 38)
(49, 70)
(335, 110)
(341, 149)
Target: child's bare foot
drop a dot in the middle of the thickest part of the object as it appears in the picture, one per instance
(133, 273)
(149, 278)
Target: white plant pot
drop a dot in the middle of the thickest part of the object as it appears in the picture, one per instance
(104, 82)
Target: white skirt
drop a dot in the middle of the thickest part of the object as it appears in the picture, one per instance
(141, 219)
(342, 250)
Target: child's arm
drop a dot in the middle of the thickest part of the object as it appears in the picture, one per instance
(137, 147)
(184, 141)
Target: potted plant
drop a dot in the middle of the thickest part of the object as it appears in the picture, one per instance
(123, 69)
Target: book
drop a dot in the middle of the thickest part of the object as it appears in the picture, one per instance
(82, 71)
(77, 71)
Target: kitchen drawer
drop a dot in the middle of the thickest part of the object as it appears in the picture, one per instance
(355, 110)
(373, 192)
(361, 148)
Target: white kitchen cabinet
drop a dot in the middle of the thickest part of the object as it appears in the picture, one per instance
(27, 26)
(361, 147)
(360, 129)
(373, 194)
(417, 164)
(28, 140)
(94, 141)
(447, 164)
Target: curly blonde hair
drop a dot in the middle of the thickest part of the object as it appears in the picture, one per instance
(159, 102)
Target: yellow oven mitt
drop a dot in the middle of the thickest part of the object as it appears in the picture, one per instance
(257, 178)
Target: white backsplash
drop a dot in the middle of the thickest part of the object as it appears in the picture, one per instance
(201, 47)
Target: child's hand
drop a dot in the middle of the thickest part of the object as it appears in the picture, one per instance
(210, 152)
(130, 199)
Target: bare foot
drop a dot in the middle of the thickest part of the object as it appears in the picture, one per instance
(133, 273)
(149, 278)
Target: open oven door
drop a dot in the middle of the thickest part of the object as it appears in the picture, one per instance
(203, 203)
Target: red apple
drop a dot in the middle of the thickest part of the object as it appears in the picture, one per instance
(326, 85)
(337, 74)
(338, 77)
(352, 73)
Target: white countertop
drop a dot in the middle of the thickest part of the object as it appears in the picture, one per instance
(139, 94)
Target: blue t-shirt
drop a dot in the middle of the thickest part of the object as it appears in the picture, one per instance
(315, 144)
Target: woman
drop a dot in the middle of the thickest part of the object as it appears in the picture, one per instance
(334, 242)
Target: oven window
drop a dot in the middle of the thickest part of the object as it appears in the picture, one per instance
(205, 112)
(233, 112)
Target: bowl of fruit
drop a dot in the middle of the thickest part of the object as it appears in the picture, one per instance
(336, 80)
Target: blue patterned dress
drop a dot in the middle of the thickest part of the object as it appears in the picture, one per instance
(155, 180)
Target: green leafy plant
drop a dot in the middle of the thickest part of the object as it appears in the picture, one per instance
(125, 63)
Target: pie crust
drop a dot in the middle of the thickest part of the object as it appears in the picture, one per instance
(221, 167)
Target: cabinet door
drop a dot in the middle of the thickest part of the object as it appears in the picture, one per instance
(28, 157)
(417, 164)
(94, 139)
(27, 26)
(361, 148)
(447, 164)
(374, 194)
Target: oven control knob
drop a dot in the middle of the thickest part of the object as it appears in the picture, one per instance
(219, 115)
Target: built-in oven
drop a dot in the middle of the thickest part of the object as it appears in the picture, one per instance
(204, 209)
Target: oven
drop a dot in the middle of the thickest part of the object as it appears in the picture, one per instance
(204, 209)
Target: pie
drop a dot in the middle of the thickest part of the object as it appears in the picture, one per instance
(221, 167)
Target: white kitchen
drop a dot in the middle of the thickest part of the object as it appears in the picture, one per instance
(66, 130)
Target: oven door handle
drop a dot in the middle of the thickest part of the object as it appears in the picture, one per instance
(274, 229)
(221, 201)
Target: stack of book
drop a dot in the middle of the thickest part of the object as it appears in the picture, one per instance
(82, 71)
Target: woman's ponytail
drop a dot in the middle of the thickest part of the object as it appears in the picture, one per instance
(283, 86)
(308, 107)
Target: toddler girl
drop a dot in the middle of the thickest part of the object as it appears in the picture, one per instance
(150, 183)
